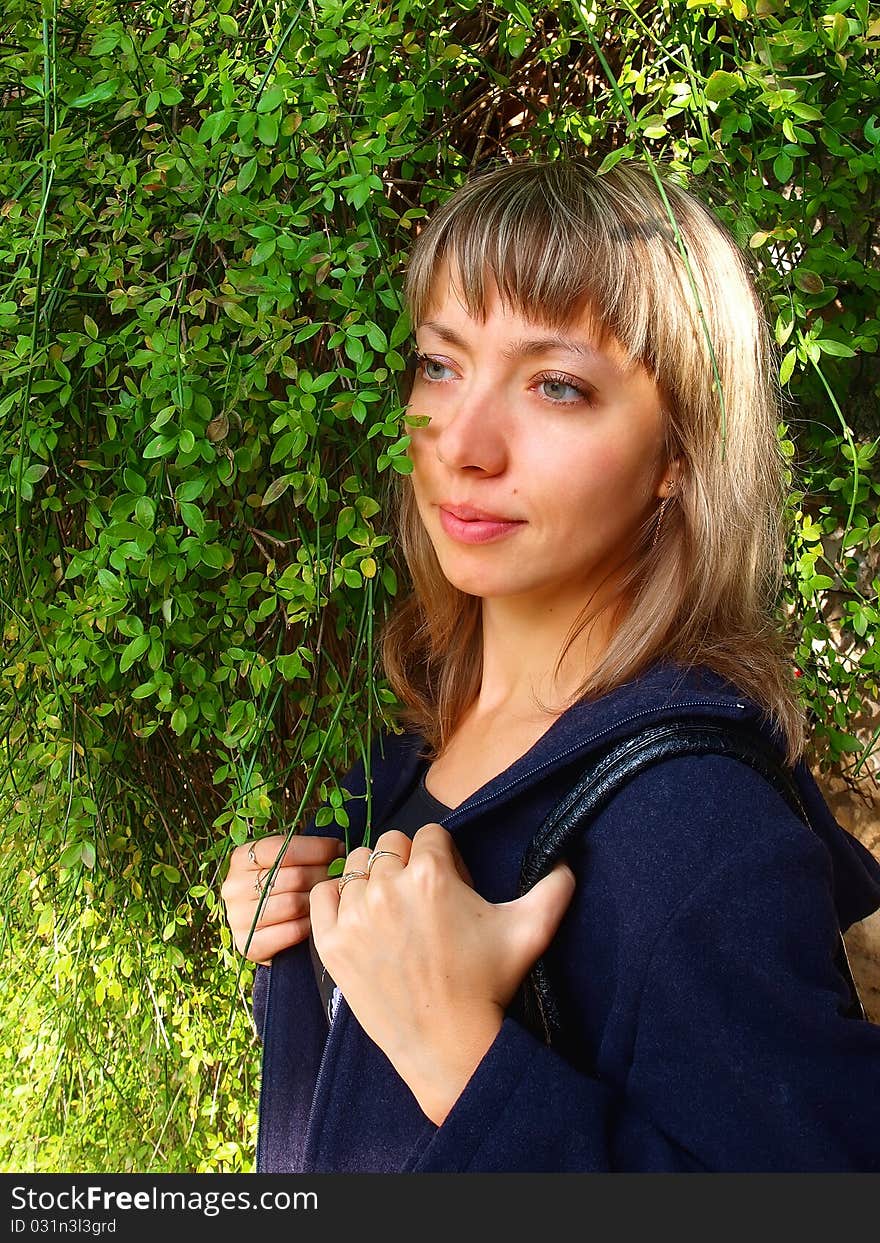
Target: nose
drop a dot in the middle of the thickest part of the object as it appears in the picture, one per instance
(471, 432)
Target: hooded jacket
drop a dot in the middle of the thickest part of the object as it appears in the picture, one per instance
(695, 961)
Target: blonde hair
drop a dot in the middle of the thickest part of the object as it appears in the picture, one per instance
(556, 237)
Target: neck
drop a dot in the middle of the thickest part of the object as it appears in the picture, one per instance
(521, 645)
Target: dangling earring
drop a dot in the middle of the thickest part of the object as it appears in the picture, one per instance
(665, 501)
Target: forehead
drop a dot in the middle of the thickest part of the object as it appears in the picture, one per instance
(585, 330)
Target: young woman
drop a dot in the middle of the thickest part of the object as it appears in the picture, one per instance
(595, 540)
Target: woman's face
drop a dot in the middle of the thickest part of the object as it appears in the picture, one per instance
(511, 435)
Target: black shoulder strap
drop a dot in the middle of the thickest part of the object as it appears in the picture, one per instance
(595, 789)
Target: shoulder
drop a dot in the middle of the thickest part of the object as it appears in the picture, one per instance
(680, 821)
(712, 804)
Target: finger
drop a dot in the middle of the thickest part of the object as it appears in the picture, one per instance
(294, 878)
(432, 838)
(324, 908)
(536, 916)
(355, 863)
(301, 849)
(268, 942)
(390, 854)
(279, 908)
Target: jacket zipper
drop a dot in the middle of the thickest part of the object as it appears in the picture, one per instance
(334, 1025)
(488, 798)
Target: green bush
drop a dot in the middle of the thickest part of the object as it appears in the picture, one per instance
(205, 215)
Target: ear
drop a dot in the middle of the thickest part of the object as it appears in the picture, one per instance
(671, 474)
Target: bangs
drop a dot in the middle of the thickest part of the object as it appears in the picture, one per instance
(558, 242)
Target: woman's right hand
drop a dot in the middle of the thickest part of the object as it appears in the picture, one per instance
(284, 918)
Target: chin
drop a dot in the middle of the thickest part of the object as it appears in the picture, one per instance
(476, 582)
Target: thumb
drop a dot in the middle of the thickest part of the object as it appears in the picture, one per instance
(537, 914)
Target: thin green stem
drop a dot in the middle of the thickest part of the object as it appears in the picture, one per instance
(618, 95)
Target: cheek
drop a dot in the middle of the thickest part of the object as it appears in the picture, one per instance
(611, 483)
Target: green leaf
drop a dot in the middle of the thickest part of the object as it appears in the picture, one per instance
(806, 112)
(839, 31)
(808, 281)
(271, 99)
(214, 556)
(267, 129)
(346, 521)
(275, 489)
(238, 314)
(135, 483)
(133, 651)
(71, 855)
(721, 85)
(160, 446)
(97, 95)
(145, 511)
(246, 174)
(836, 348)
(783, 166)
(262, 252)
(377, 338)
(190, 490)
(193, 517)
(612, 158)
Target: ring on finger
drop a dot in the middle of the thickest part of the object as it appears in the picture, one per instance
(377, 854)
(357, 874)
(251, 855)
(261, 875)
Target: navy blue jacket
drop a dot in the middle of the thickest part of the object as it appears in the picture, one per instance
(696, 959)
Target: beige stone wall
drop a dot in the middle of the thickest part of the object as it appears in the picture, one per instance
(859, 812)
(856, 802)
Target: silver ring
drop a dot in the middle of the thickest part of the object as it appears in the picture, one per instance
(355, 875)
(261, 875)
(251, 855)
(377, 854)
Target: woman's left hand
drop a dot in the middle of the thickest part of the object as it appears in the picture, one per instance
(427, 966)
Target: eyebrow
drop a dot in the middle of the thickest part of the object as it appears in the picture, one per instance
(529, 347)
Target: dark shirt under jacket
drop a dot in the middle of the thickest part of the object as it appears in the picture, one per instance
(420, 808)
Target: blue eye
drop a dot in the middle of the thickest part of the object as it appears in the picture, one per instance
(420, 362)
(564, 382)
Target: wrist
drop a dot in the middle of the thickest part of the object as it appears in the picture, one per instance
(437, 1073)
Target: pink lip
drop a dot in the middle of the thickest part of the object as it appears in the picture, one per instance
(469, 513)
(475, 530)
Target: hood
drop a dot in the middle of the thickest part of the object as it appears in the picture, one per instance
(666, 690)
